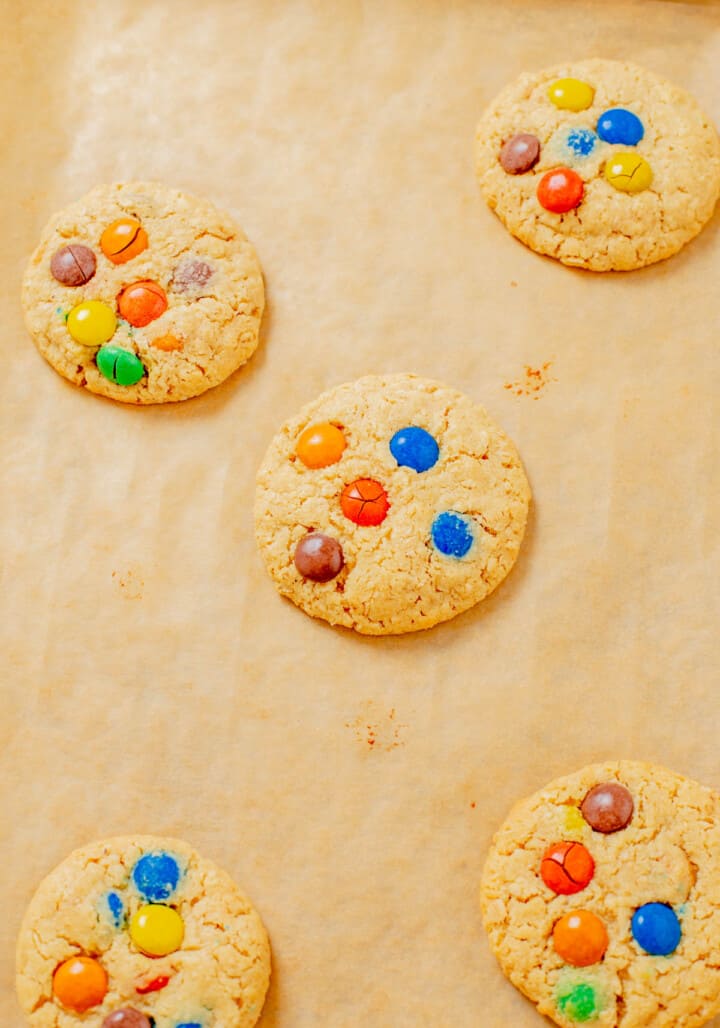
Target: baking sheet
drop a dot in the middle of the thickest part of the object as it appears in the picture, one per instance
(154, 681)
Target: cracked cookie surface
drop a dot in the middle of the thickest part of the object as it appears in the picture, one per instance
(609, 228)
(89, 911)
(183, 286)
(389, 504)
(649, 874)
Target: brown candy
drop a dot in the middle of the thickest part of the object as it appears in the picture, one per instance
(192, 274)
(126, 1018)
(319, 557)
(520, 154)
(73, 265)
(608, 808)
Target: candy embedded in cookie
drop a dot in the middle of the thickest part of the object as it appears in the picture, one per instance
(612, 924)
(585, 163)
(161, 933)
(161, 277)
(350, 508)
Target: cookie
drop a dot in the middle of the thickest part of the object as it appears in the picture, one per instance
(141, 932)
(601, 164)
(390, 504)
(144, 294)
(601, 898)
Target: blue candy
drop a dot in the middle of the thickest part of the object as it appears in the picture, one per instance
(656, 929)
(116, 908)
(414, 448)
(189, 1024)
(452, 533)
(580, 141)
(156, 876)
(620, 126)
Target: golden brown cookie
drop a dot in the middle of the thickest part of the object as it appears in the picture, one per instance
(601, 164)
(601, 898)
(141, 932)
(144, 294)
(389, 504)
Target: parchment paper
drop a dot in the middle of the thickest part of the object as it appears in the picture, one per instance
(154, 681)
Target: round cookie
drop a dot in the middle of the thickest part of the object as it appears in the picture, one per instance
(601, 898)
(600, 164)
(144, 294)
(141, 932)
(414, 500)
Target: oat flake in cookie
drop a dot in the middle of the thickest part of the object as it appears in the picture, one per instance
(144, 294)
(390, 504)
(601, 164)
(141, 932)
(601, 898)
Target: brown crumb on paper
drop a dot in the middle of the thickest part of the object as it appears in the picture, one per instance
(377, 729)
(130, 583)
(534, 381)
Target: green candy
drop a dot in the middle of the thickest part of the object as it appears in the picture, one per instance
(579, 1003)
(119, 365)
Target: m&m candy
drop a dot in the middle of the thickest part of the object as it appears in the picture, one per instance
(608, 807)
(656, 929)
(319, 557)
(628, 172)
(320, 445)
(80, 983)
(579, 1002)
(365, 502)
(580, 142)
(520, 153)
(191, 275)
(571, 94)
(168, 343)
(157, 930)
(128, 1017)
(120, 366)
(156, 876)
(141, 303)
(619, 125)
(452, 533)
(73, 265)
(567, 868)
(123, 240)
(414, 448)
(580, 938)
(91, 323)
(560, 190)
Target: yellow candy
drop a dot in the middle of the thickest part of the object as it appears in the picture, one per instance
(91, 323)
(157, 930)
(571, 94)
(629, 172)
(574, 821)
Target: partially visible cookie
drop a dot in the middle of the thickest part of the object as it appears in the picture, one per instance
(141, 932)
(389, 504)
(601, 898)
(601, 164)
(144, 294)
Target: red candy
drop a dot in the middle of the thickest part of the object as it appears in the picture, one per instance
(567, 868)
(154, 986)
(560, 190)
(365, 502)
(142, 302)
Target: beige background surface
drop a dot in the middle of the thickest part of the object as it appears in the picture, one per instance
(153, 680)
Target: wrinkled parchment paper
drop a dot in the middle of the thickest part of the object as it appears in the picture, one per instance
(153, 679)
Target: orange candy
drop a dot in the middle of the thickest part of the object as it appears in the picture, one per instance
(142, 302)
(167, 343)
(80, 983)
(560, 190)
(580, 938)
(365, 502)
(123, 240)
(567, 868)
(320, 445)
